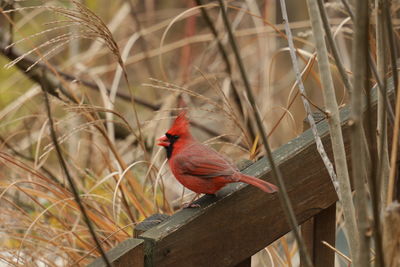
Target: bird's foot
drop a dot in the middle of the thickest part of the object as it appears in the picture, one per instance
(190, 205)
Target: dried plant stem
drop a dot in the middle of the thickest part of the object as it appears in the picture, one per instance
(339, 153)
(142, 40)
(74, 189)
(359, 67)
(46, 75)
(12, 54)
(337, 251)
(371, 63)
(373, 181)
(30, 158)
(392, 43)
(220, 46)
(382, 138)
(306, 104)
(393, 154)
(228, 67)
(395, 138)
(382, 173)
(332, 45)
(34, 75)
(283, 195)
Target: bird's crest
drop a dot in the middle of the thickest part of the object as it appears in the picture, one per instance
(180, 125)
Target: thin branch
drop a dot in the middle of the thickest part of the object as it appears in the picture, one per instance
(283, 195)
(34, 74)
(339, 153)
(359, 67)
(228, 67)
(142, 40)
(393, 60)
(381, 129)
(333, 47)
(337, 251)
(306, 104)
(392, 43)
(394, 151)
(12, 54)
(221, 49)
(371, 63)
(373, 181)
(74, 189)
(348, 9)
(29, 158)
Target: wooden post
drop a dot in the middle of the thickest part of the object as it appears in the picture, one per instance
(322, 227)
(307, 231)
(324, 230)
(245, 263)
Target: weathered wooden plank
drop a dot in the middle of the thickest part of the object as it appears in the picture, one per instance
(128, 253)
(149, 223)
(242, 220)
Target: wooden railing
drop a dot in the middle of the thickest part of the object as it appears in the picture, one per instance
(241, 220)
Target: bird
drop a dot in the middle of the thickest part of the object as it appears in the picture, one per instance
(198, 167)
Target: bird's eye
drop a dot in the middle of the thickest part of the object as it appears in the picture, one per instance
(171, 137)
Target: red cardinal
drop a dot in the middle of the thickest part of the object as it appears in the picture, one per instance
(198, 167)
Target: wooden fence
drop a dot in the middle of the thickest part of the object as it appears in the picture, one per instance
(242, 220)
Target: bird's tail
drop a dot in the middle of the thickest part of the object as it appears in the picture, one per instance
(263, 185)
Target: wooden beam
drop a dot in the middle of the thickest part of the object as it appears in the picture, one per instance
(128, 253)
(149, 223)
(242, 220)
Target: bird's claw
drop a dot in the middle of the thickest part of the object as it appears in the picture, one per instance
(190, 206)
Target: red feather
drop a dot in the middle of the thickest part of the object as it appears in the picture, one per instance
(199, 167)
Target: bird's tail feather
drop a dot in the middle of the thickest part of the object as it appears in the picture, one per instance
(263, 185)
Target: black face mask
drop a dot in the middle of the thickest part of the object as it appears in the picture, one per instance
(172, 139)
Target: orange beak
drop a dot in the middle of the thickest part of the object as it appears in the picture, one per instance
(163, 141)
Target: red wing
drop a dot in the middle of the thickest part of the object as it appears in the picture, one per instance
(200, 160)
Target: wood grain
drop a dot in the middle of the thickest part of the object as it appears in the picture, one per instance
(128, 253)
(149, 223)
(322, 227)
(324, 230)
(245, 263)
